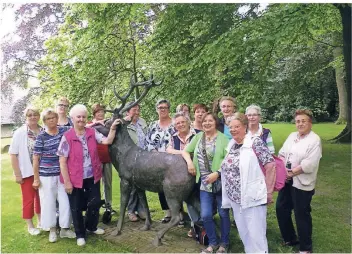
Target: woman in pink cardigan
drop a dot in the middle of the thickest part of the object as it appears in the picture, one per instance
(81, 171)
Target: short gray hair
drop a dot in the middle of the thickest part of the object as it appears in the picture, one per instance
(179, 114)
(256, 107)
(162, 101)
(46, 112)
(77, 107)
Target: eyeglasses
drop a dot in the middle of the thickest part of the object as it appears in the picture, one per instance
(63, 105)
(163, 108)
(30, 115)
(49, 118)
(301, 121)
(255, 115)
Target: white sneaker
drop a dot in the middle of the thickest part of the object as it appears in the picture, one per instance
(52, 236)
(67, 233)
(81, 242)
(99, 231)
(33, 231)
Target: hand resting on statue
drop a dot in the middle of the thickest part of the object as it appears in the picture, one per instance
(191, 169)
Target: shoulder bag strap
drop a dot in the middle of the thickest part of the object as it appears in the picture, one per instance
(206, 161)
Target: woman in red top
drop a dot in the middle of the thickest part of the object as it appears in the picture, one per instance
(103, 153)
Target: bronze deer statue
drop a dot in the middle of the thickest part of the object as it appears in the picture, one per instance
(147, 171)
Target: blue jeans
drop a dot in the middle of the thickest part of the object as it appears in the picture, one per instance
(206, 204)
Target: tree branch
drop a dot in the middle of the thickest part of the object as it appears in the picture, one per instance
(322, 42)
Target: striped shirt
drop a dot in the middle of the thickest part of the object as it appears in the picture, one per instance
(269, 140)
(46, 147)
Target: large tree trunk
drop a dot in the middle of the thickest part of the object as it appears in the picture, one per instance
(341, 88)
(345, 11)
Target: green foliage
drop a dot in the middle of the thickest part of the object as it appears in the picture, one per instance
(280, 57)
(96, 50)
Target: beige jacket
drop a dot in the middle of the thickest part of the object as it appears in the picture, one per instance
(306, 153)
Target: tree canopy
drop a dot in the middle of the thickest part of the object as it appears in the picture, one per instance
(281, 57)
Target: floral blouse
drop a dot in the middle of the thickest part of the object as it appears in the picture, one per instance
(31, 137)
(210, 150)
(230, 167)
(158, 138)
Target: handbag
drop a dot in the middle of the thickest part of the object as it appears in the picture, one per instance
(281, 173)
(216, 186)
(199, 234)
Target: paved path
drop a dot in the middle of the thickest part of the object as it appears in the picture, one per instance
(175, 240)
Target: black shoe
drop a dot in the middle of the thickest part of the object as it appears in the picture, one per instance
(166, 219)
(107, 217)
(181, 224)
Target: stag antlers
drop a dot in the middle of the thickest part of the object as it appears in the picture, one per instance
(147, 84)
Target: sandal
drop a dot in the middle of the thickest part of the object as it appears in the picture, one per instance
(181, 223)
(206, 250)
(132, 217)
(166, 219)
(222, 249)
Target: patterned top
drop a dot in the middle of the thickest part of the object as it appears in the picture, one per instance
(231, 170)
(188, 139)
(46, 146)
(269, 140)
(158, 138)
(68, 124)
(64, 150)
(210, 150)
(138, 128)
(31, 137)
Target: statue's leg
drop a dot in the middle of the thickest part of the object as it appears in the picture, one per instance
(144, 206)
(125, 191)
(175, 206)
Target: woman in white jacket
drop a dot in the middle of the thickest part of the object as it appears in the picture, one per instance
(301, 152)
(245, 187)
(21, 152)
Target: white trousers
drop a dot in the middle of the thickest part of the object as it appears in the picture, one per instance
(251, 225)
(50, 190)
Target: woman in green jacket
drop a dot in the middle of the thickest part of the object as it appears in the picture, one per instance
(209, 151)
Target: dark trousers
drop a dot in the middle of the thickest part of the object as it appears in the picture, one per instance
(87, 196)
(291, 198)
(163, 201)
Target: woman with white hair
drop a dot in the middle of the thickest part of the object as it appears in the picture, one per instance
(46, 168)
(255, 129)
(21, 152)
(81, 171)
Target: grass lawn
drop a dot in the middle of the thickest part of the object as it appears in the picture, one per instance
(331, 206)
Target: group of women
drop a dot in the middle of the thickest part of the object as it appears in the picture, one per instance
(59, 170)
(234, 153)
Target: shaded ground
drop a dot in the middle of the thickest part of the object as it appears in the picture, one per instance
(175, 240)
